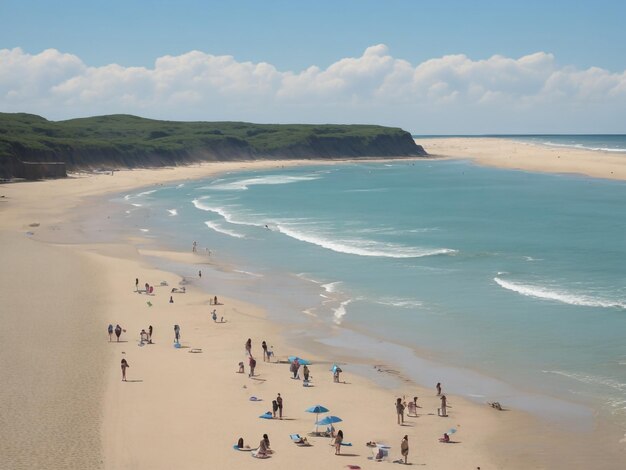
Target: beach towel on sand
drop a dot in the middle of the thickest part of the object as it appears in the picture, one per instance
(267, 415)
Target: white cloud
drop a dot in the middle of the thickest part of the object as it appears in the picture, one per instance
(448, 94)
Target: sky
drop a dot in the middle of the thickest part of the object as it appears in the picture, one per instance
(430, 67)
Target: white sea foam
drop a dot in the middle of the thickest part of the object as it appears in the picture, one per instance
(144, 229)
(180, 185)
(135, 204)
(218, 228)
(570, 298)
(145, 193)
(242, 185)
(331, 287)
(364, 247)
(172, 212)
(530, 258)
(222, 211)
(584, 147)
(589, 379)
(340, 311)
(398, 302)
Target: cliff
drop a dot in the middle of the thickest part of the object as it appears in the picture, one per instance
(123, 141)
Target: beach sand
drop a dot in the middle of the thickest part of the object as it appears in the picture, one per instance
(510, 154)
(181, 409)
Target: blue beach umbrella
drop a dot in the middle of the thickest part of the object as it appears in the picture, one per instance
(329, 420)
(317, 409)
(303, 362)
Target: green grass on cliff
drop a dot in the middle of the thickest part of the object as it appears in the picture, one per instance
(134, 135)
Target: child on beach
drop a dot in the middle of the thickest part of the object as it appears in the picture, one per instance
(124, 367)
(400, 410)
(252, 366)
(279, 400)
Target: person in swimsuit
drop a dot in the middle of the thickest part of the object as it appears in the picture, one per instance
(124, 367)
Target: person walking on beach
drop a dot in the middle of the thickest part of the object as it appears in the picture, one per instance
(295, 366)
(124, 367)
(274, 407)
(400, 411)
(444, 405)
(200, 274)
(264, 346)
(110, 330)
(252, 366)
(136, 284)
(176, 333)
(438, 386)
(249, 347)
(404, 448)
(118, 332)
(279, 400)
(305, 372)
(338, 441)
(150, 334)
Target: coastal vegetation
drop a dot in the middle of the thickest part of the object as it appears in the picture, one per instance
(125, 141)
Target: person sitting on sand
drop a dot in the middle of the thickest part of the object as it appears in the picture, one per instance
(240, 444)
(496, 405)
(241, 368)
(338, 441)
(264, 446)
(124, 367)
(214, 315)
(445, 439)
(143, 336)
(330, 430)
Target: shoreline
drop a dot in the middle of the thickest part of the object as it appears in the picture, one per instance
(516, 155)
(117, 254)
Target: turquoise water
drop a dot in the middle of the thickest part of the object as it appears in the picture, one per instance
(504, 275)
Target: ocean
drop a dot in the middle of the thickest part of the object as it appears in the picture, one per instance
(503, 285)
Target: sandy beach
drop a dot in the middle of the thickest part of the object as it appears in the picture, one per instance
(186, 407)
(506, 153)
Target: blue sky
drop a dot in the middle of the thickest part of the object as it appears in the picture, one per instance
(293, 36)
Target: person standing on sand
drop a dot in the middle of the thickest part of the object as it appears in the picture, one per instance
(305, 371)
(279, 400)
(252, 364)
(249, 347)
(200, 274)
(136, 284)
(338, 441)
(444, 405)
(118, 332)
(438, 386)
(215, 300)
(404, 448)
(110, 330)
(274, 407)
(400, 411)
(176, 333)
(150, 334)
(264, 346)
(124, 367)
